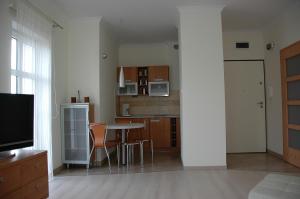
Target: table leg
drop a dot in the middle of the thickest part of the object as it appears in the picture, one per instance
(123, 146)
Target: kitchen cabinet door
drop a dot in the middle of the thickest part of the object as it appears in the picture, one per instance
(160, 133)
(158, 73)
(130, 74)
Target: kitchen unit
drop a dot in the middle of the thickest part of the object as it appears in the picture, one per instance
(145, 80)
(154, 105)
(164, 131)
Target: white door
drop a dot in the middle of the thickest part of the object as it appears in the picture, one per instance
(245, 106)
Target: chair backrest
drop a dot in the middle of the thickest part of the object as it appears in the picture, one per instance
(99, 133)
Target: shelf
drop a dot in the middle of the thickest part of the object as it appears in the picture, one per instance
(293, 78)
(293, 102)
(294, 126)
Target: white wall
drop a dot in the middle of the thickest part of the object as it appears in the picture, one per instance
(152, 54)
(255, 50)
(83, 60)
(59, 89)
(5, 37)
(109, 46)
(203, 130)
(107, 76)
(283, 31)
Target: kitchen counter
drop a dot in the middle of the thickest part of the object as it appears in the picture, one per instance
(148, 116)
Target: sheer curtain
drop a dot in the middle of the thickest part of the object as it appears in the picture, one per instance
(33, 34)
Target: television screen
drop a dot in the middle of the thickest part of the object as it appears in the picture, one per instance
(16, 121)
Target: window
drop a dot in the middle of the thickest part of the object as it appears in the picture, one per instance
(31, 69)
(22, 67)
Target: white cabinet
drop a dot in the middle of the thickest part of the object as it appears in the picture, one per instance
(75, 133)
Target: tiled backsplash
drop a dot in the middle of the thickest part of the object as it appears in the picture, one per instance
(152, 105)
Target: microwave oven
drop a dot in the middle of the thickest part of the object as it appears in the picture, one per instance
(160, 88)
(129, 89)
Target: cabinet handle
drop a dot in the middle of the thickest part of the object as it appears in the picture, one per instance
(158, 79)
(155, 120)
(1, 179)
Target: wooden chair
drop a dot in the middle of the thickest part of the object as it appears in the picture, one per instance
(99, 137)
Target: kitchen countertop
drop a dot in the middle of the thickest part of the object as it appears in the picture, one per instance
(148, 116)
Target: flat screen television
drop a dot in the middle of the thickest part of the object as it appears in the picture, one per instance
(16, 121)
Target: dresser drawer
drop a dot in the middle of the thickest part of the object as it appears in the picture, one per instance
(13, 195)
(33, 169)
(9, 179)
(37, 189)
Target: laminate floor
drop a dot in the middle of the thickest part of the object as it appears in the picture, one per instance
(168, 180)
(163, 161)
(259, 162)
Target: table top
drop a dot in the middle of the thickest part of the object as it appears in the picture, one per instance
(125, 126)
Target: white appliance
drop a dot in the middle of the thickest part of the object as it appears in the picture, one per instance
(129, 89)
(160, 88)
(125, 109)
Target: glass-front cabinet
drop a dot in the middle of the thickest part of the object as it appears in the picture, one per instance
(75, 133)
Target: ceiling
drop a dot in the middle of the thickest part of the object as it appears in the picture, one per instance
(140, 21)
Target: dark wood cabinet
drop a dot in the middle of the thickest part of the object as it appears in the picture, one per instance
(130, 74)
(160, 133)
(164, 131)
(25, 175)
(158, 73)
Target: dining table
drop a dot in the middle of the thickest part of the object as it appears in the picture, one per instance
(123, 127)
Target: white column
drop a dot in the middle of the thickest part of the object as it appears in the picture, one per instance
(202, 86)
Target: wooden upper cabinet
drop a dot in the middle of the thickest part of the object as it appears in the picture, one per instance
(158, 73)
(130, 74)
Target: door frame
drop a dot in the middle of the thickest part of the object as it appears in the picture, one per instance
(285, 53)
(265, 91)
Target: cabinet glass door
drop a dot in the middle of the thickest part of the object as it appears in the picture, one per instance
(75, 134)
(159, 88)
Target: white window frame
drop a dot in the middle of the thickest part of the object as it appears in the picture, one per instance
(18, 72)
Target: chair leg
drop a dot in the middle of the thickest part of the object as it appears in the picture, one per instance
(108, 159)
(132, 154)
(96, 162)
(151, 141)
(118, 155)
(127, 154)
(93, 148)
(142, 152)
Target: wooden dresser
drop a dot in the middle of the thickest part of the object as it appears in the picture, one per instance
(24, 176)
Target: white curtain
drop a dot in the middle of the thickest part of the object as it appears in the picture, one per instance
(33, 35)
